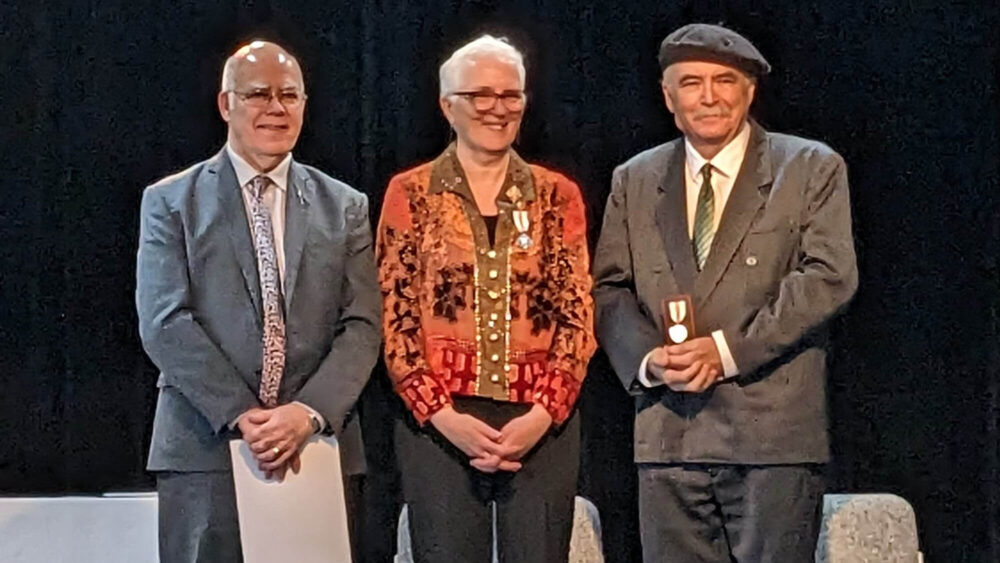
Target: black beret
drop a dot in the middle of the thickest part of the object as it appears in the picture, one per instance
(713, 43)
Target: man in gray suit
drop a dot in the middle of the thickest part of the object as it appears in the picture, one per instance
(258, 302)
(755, 227)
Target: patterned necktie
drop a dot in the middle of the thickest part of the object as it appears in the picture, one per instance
(704, 215)
(270, 287)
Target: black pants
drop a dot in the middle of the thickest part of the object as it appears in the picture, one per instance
(450, 509)
(702, 513)
(198, 520)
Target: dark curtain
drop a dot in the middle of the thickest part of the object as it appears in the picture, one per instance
(101, 98)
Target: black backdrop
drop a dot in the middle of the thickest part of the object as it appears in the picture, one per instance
(101, 98)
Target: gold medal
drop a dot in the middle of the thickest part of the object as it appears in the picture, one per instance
(514, 194)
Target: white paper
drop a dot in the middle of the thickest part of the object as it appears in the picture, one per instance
(302, 518)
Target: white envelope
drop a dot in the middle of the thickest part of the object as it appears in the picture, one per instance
(302, 518)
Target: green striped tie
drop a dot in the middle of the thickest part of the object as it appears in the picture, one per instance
(703, 218)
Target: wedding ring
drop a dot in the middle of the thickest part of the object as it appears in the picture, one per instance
(276, 451)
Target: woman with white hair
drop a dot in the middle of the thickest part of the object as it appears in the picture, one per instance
(487, 319)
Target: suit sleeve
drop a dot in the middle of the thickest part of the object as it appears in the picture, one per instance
(624, 331)
(335, 387)
(187, 357)
(400, 278)
(818, 287)
(573, 340)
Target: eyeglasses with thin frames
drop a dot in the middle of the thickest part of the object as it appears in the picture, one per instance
(261, 97)
(486, 99)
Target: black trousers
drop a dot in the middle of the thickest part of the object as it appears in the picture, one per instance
(198, 521)
(451, 504)
(706, 513)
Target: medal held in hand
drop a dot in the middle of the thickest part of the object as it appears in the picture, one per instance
(678, 317)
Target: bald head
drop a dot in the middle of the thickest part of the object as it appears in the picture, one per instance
(256, 55)
(263, 101)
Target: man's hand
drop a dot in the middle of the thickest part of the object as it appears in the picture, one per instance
(658, 362)
(275, 435)
(692, 366)
(475, 438)
(294, 464)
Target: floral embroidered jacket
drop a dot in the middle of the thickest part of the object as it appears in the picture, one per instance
(512, 322)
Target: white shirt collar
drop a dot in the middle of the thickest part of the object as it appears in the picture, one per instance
(727, 162)
(245, 172)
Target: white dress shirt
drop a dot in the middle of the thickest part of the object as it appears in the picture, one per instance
(725, 166)
(274, 198)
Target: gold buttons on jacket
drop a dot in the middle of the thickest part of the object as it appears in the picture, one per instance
(493, 301)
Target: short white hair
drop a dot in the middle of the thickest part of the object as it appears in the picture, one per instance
(485, 47)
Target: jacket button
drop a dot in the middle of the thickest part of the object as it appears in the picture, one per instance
(751, 260)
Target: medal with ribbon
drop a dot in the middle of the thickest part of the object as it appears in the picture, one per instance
(678, 315)
(678, 312)
(521, 221)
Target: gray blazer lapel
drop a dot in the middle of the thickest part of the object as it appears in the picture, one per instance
(671, 218)
(739, 213)
(231, 202)
(300, 191)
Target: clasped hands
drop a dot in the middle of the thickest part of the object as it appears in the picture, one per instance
(491, 450)
(275, 436)
(688, 367)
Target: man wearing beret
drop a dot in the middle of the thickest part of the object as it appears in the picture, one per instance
(751, 230)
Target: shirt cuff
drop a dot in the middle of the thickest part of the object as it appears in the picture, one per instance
(729, 368)
(313, 412)
(643, 375)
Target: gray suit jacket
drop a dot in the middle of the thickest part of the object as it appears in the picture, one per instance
(199, 305)
(781, 265)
